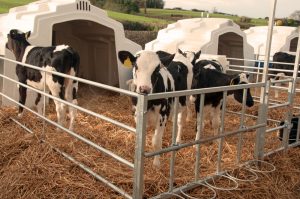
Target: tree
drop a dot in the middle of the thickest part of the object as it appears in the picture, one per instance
(295, 15)
(99, 3)
(155, 4)
(145, 6)
(214, 10)
(127, 6)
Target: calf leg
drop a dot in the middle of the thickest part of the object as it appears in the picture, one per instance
(276, 90)
(22, 99)
(157, 137)
(188, 109)
(71, 96)
(215, 119)
(56, 89)
(197, 127)
(182, 114)
(196, 101)
(39, 104)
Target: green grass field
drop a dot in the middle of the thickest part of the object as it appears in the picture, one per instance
(161, 17)
(135, 18)
(5, 5)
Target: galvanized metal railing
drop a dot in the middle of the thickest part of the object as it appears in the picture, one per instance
(140, 130)
(260, 128)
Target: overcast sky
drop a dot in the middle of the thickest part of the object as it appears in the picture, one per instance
(249, 8)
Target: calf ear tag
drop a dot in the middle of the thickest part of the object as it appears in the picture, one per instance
(127, 63)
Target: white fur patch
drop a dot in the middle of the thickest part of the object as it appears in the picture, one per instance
(146, 62)
(166, 75)
(49, 82)
(280, 75)
(243, 78)
(189, 55)
(27, 49)
(60, 48)
(209, 66)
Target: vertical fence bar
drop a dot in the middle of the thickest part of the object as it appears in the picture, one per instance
(262, 112)
(174, 134)
(257, 74)
(292, 94)
(200, 120)
(240, 136)
(298, 130)
(221, 131)
(44, 108)
(138, 184)
(288, 118)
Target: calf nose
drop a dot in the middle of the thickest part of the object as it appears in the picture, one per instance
(250, 103)
(145, 89)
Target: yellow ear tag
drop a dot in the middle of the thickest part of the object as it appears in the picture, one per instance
(127, 63)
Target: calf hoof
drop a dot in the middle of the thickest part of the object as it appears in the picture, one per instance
(156, 162)
(178, 141)
(20, 115)
(71, 128)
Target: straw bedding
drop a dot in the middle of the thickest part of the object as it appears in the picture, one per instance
(32, 169)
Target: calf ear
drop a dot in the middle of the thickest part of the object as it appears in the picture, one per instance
(167, 60)
(126, 58)
(197, 55)
(27, 34)
(161, 54)
(180, 51)
(235, 80)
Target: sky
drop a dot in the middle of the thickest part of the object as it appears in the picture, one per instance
(249, 8)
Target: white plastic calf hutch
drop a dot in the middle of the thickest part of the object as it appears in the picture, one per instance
(215, 36)
(284, 39)
(77, 23)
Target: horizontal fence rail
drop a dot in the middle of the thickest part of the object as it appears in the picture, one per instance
(140, 129)
(89, 82)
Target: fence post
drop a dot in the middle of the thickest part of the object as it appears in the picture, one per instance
(292, 94)
(262, 112)
(138, 184)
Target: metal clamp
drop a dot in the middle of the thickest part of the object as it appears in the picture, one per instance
(248, 165)
(251, 178)
(223, 188)
(204, 185)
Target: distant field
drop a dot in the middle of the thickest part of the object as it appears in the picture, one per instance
(160, 17)
(135, 18)
(5, 5)
(185, 13)
(166, 13)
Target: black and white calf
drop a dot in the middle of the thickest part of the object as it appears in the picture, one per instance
(181, 69)
(151, 76)
(286, 58)
(205, 77)
(55, 58)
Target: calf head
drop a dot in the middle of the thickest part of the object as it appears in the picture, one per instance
(146, 66)
(17, 42)
(241, 78)
(192, 56)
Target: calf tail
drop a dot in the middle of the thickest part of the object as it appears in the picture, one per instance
(75, 60)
